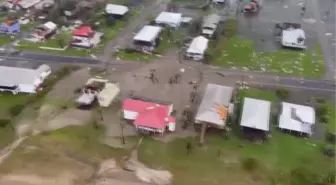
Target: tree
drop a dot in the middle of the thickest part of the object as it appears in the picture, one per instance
(62, 40)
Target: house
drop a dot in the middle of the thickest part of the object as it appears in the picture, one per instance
(170, 19)
(147, 39)
(10, 27)
(297, 118)
(26, 4)
(116, 11)
(98, 89)
(85, 37)
(21, 80)
(42, 32)
(210, 24)
(197, 48)
(149, 116)
(216, 106)
(255, 117)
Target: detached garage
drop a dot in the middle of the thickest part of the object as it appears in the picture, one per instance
(21, 80)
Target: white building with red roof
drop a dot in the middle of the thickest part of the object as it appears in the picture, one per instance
(149, 116)
(85, 37)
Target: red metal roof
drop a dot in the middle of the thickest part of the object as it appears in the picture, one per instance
(84, 31)
(136, 105)
(154, 117)
(149, 114)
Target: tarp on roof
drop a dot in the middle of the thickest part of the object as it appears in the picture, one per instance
(116, 9)
(215, 97)
(256, 114)
(148, 33)
(83, 31)
(198, 45)
(299, 118)
(170, 18)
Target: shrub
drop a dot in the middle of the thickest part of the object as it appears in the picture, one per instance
(282, 93)
(5, 122)
(250, 164)
(329, 151)
(78, 90)
(330, 137)
(130, 50)
(321, 111)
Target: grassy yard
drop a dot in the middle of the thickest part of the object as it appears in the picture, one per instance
(221, 161)
(239, 53)
(60, 149)
(4, 39)
(110, 33)
(7, 100)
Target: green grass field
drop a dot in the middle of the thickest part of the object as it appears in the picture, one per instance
(60, 149)
(219, 161)
(239, 53)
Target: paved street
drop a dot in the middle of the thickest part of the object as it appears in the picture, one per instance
(325, 26)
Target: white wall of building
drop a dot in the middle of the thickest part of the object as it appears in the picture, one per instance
(130, 115)
(27, 88)
(171, 126)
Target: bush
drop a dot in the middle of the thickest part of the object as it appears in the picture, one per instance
(282, 94)
(130, 50)
(330, 137)
(321, 111)
(250, 164)
(329, 151)
(78, 90)
(5, 122)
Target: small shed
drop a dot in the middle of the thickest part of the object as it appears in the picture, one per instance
(169, 19)
(117, 11)
(147, 38)
(197, 48)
